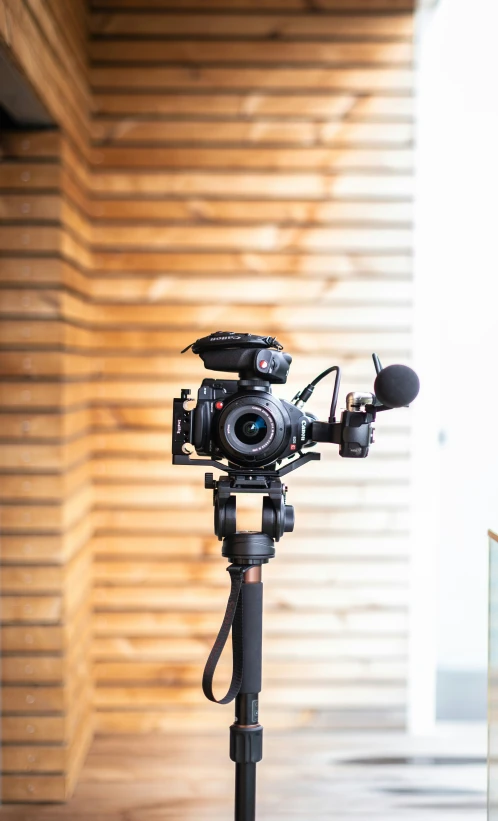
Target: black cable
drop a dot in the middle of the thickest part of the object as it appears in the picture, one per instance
(305, 394)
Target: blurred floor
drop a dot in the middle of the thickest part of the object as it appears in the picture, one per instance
(304, 776)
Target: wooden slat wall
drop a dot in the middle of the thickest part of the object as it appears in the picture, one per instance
(251, 170)
(45, 482)
(248, 166)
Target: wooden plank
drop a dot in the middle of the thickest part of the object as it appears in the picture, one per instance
(31, 239)
(397, 80)
(283, 671)
(48, 303)
(188, 720)
(256, 263)
(31, 548)
(203, 211)
(301, 623)
(298, 649)
(314, 495)
(151, 573)
(29, 176)
(41, 303)
(279, 27)
(321, 519)
(40, 144)
(376, 159)
(254, 238)
(266, 5)
(392, 344)
(29, 456)
(42, 271)
(257, 184)
(255, 104)
(194, 52)
(22, 394)
(347, 696)
(201, 598)
(70, 20)
(45, 638)
(42, 609)
(43, 334)
(39, 785)
(256, 131)
(150, 546)
(35, 729)
(71, 61)
(33, 700)
(28, 426)
(37, 669)
(47, 364)
(27, 208)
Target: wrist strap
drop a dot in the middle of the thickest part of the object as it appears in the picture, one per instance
(232, 619)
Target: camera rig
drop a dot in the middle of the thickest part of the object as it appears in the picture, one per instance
(260, 362)
(261, 439)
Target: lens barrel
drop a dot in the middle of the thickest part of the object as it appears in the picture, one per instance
(251, 429)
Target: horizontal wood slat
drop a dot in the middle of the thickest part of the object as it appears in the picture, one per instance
(356, 105)
(277, 26)
(264, 5)
(195, 51)
(257, 131)
(372, 79)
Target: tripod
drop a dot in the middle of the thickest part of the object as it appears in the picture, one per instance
(247, 552)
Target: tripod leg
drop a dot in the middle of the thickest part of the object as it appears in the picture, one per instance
(246, 734)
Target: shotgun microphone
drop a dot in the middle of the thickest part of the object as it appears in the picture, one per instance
(396, 386)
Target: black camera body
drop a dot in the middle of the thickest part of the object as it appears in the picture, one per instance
(243, 422)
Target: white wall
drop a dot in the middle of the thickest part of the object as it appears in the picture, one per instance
(456, 340)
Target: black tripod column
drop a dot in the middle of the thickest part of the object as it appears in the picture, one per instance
(249, 550)
(246, 733)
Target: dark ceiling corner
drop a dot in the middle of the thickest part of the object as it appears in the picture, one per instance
(17, 99)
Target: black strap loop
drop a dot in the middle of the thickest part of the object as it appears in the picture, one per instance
(232, 619)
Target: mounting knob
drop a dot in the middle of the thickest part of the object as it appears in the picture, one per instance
(289, 519)
(209, 482)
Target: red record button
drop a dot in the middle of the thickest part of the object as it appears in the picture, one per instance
(263, 364)
(218, 405)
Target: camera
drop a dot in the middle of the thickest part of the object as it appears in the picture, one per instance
(241, 421)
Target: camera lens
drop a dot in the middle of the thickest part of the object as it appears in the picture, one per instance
(250, 428)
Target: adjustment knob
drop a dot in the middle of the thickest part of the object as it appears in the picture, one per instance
(288, 519)
(209, 482)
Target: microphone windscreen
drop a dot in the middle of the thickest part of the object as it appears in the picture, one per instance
(396, 386)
